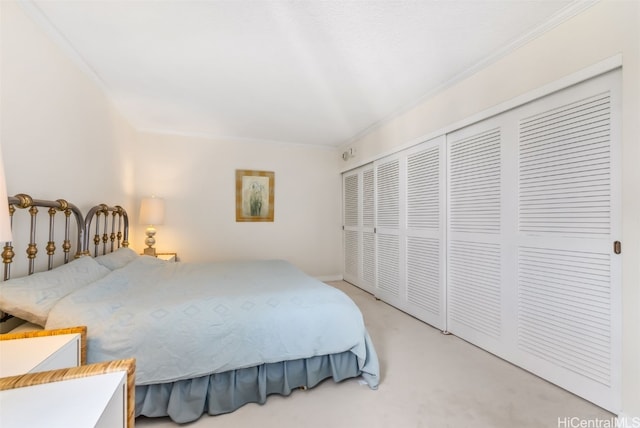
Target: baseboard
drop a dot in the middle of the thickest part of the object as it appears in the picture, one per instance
(327, 278)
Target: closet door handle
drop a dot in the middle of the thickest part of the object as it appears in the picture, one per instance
(617, 247)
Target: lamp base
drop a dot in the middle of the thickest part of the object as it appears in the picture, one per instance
(150, 251)
(151, 232)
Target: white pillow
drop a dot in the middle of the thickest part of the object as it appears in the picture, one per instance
(32, 297)
(118, 259)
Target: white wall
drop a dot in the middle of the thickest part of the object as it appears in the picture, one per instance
(196, 176)
(61, 137)
(607, 29)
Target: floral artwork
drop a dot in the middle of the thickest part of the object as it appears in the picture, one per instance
(254, 195)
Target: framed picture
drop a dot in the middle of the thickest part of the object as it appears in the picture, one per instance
(255, 192)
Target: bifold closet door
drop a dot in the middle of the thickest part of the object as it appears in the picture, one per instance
(358, 222)
(410, 251)
(533, 214)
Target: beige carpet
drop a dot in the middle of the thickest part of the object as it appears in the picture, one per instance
(428, 380)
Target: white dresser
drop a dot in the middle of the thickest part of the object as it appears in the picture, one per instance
(38, 354)
(43, 383)
(94, 401)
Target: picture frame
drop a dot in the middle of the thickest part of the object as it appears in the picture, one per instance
(255, 195)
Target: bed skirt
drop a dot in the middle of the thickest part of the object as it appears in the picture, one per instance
(185, 401)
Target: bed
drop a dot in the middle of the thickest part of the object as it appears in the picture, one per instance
(207, 337)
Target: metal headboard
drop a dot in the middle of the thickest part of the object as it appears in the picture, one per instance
(118, 225)
(110, 232)
(23, 201)
(119, 236)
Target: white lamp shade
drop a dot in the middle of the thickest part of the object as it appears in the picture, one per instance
(5, 219)
(152, 211)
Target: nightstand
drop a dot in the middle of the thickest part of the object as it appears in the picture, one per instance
(72, 406)
(169, 257)
(43, 350)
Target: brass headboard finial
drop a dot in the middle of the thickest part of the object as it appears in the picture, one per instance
(24, 200)
(64, 205)
(7, 254)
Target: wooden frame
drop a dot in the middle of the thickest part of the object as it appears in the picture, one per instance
(82, 330)
(255, 191)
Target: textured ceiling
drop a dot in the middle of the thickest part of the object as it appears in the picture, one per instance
(311, 72)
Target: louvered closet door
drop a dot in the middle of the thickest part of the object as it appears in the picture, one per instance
(476, 237)
(358, 223)
(569, 289)
(424, 242)
(389, 257)
(368, 270)
(410, 217)
(351, 234)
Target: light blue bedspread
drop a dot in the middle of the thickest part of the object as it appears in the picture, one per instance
(185, 320)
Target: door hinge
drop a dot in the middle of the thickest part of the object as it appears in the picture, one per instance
(617, 247)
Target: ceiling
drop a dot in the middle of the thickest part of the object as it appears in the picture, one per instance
(308, 72)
